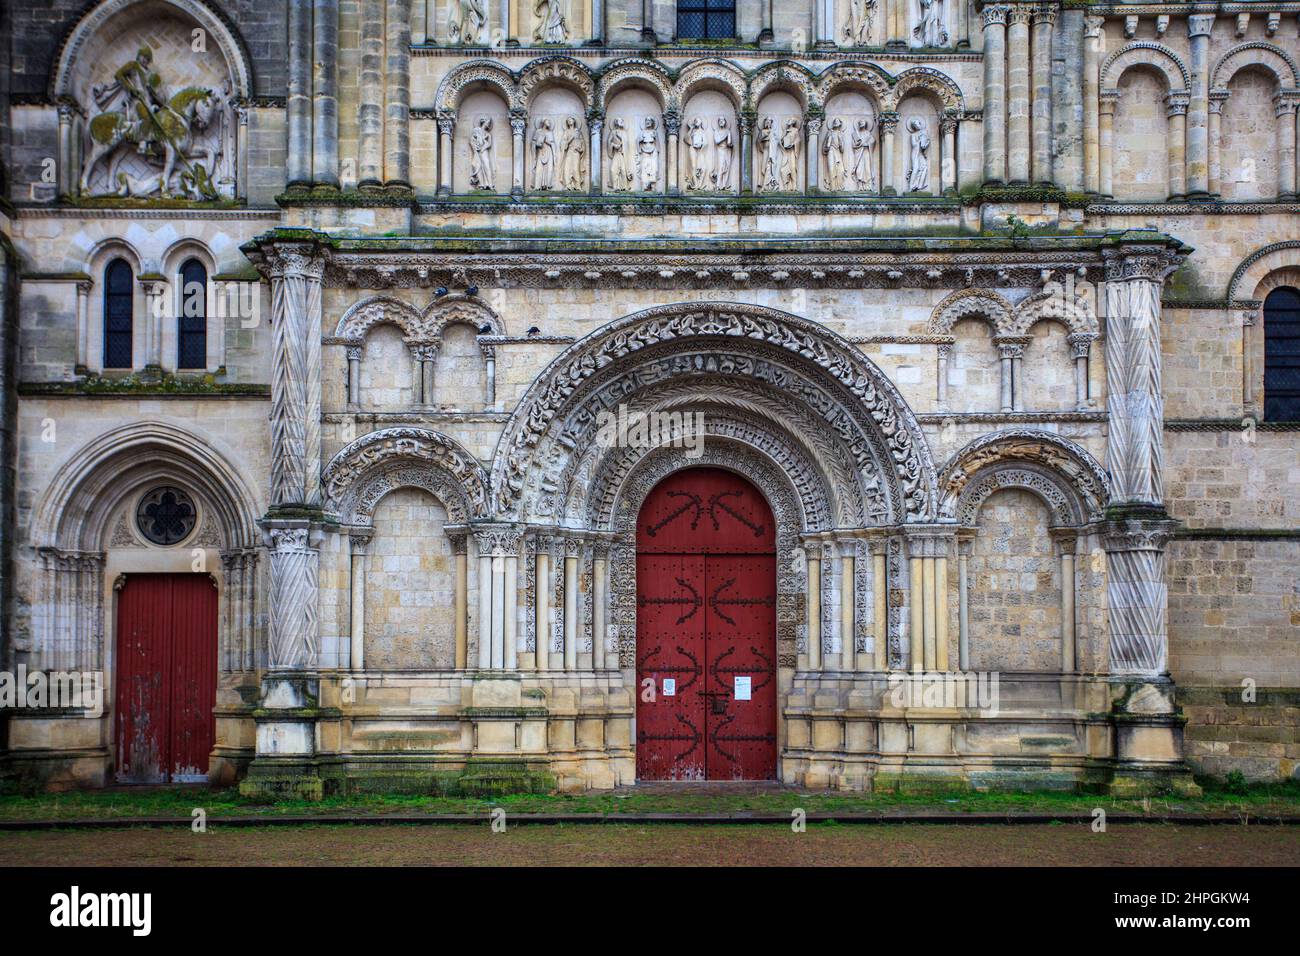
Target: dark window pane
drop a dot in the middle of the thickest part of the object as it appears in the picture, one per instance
(119, 296)
(690, 25)
(192, 322)
(722, 26)
(1282, 356)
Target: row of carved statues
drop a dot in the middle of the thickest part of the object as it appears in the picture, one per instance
(557, 154)
(467, 23)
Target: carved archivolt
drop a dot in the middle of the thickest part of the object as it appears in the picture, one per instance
(418, 327)
(711, 74)
(785, 75)
(791, 574)
(86, 491)
(1256, 53)
(477, 73)
(365, 470)
(556, 71)
(1246, 278)
(1146, 53)
(784, 352)
(923, 79)
(970, 303)
(1069, 479)
(646, 74)
(865, 78)
(1075, 313)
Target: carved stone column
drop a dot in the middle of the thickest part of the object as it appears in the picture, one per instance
(325, 100)
(1106, 103)
(747, 120)
(888, 124)
(928, 551)
(944, 355)
(1092, 41)
(426, 355)
(1080, 345)
(1011, 350)
(155, 310)
(1018, 61)
(595, 124)
(1215, 106)
(1044, 21)
(1137, 596)
(397, 95)
(672, 128)
(446, 127)
(83, 323)
(518, 127)
(542, 588)
(354, 374)
(813, 126)
(460, 550)
(370, 109)
(359, 543)
(1285, 107)
(490, 361)
(995, 93)
(965, 538)
(1176, 109)
(1067, 542)
(296, 270)
(498, 583)
(1198, 157)
(298, 105)
(948, 154)
(572, 555)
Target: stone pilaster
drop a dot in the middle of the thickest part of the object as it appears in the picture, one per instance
(1092, 43)
(298, 107)
(1018, 62)
(325, 100)
(1044, 22)
(397, 96)
(1198, 155)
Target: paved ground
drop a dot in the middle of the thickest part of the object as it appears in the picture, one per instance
(635, 845)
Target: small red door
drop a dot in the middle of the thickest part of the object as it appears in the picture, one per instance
(706, 630)
(166, 677)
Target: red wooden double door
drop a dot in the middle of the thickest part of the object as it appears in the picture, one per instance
(166, 677)
(706, 630)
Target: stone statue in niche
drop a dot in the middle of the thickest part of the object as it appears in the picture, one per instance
(790, 140)
(769, 151)
(551, 27)
(170, 145)
(482, 165)
(620, 162)
(573, 147)
(723, 146)
(863, 171)
(543, 156)
(857, 26)
(465, 21)
(647, 156)
(697, 157)
(918, 157)
(833, 148)
(930, 30)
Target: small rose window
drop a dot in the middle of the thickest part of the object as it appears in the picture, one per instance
(166, 515)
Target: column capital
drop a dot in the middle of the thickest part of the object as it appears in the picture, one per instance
(1107, 100)
(1217, 99)
(995, 15)
(888, 122)
(930, 541)
(1092, 26)
(1200, 24)
(1138, 534)
(1080, 343)
(1285, 102)
(497, 540)
(1019, 14)
(1176, 104)
(447, 123)
(1045, 14)
(1011, 346)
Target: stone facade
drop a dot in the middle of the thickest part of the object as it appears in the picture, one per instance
(973, 293)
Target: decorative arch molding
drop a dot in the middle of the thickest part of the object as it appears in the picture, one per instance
(923, 79)
(206, 16)
(556, 70)
(638, 72)
(764, 474)
(462, 309)
(990, 306)
(849, 75)
(1256, 53)
(365, 470)
(785, 75)
(358, 320)
(755, 342)
(474, 73)
(710, 74)
(1145, 53)
(1248, 276)
(1075, 487)
(813, 491)
(1052, 305)
(74, 513)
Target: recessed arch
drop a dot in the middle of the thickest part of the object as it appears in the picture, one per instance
(983, 304)
(1256, 53)
(1144, 53)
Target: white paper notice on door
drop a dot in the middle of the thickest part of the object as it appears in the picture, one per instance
(670, 686)
(742, 688)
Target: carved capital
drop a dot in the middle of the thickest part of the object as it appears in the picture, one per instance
(1200, 24)
(995, 15)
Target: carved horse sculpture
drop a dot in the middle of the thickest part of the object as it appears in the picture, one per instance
(172, 129)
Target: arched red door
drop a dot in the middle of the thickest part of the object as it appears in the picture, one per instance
(706, 630)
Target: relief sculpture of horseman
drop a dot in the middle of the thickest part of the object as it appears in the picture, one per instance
(167, 133)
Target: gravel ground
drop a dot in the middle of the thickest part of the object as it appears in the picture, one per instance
(675, 844)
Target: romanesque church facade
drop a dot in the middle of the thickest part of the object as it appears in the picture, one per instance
(452, 395)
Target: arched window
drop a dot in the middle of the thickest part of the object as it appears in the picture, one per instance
(1282, 356)
(192, 316)
(119, 314)
(706, 19)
